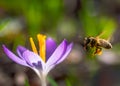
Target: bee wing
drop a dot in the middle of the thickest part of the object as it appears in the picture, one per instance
(100, 34)
(105, 36)
(79, 40)
(110, 39)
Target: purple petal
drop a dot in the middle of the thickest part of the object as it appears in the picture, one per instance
(60, 50)
(20, 51)
(50, 47)
(33, 59)
(38, 65)
(13, 56)
(69, 48)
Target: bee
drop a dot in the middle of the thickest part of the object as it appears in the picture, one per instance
(96, 43)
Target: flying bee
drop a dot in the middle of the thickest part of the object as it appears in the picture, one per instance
(96, 43)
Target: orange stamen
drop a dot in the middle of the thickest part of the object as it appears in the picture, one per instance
(33, 45)
(42, 46)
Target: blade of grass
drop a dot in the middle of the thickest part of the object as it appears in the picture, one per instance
(51, 81)
(68, 82)
(26, 83)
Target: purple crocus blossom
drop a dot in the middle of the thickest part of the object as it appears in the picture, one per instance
(54, 56)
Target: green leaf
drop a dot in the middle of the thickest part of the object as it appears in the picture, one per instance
(4, 23)
(108, 27)
(94, 24)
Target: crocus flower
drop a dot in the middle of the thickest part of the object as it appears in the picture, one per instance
(42, 60)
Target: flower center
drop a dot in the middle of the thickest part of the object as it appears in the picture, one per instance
(42, 46)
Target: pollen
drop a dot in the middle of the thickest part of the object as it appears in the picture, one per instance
(98, 51)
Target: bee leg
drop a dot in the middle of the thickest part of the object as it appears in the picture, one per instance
(98, 51)
(85, 47)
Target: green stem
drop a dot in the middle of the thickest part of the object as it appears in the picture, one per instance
(43, 80)
(42, 76)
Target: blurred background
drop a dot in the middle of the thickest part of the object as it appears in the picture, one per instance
(59, 19)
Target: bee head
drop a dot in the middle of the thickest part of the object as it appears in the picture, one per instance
(87, 40)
